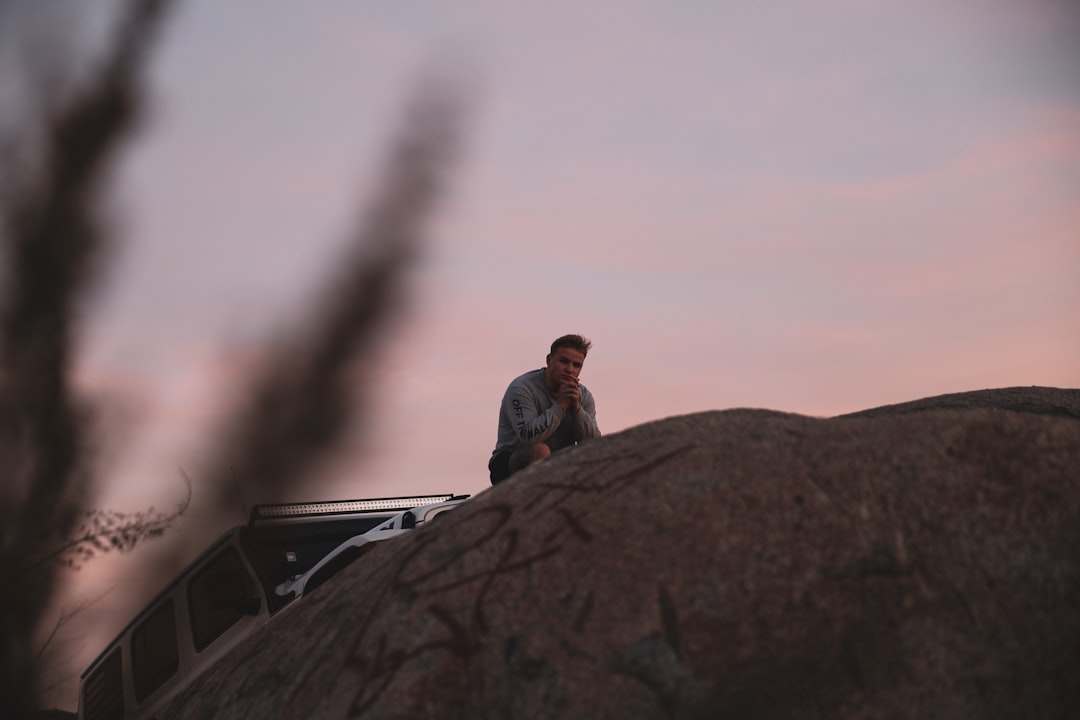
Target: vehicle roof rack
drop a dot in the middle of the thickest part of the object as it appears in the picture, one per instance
(277, 511)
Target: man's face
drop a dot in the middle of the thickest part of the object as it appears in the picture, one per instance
(563, 364)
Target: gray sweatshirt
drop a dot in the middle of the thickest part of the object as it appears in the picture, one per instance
(529, 414)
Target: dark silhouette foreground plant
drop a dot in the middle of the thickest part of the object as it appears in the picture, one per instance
(52, 241)
(54, 244)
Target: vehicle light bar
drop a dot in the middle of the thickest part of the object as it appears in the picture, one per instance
(286, 510)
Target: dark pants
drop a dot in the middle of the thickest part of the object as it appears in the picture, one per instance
(499, 466)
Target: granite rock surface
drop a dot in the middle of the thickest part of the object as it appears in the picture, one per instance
(916, 561)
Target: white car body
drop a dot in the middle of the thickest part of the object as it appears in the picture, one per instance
(231, 590)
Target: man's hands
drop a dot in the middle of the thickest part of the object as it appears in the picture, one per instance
(569, 395)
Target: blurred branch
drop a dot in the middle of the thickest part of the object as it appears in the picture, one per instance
(301, 406)
(304, 403)
(103, 531)
(52, 239)
(51, 661)
(307, 398)
(62, 619)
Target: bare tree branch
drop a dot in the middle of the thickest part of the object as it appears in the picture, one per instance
(103, 531)
(62, 619)
(52, 666)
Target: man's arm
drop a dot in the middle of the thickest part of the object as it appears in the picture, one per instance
(585, 427)
(530, 424)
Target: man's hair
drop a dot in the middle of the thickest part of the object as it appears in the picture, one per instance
(577, 342)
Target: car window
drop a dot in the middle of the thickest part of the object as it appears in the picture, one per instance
(284, 551)
(216, 596)
(154, 657)
(103, 691)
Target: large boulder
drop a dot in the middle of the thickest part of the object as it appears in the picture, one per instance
(1037, 400)
(743, 564)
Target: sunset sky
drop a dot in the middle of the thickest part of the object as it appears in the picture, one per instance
(810, 207)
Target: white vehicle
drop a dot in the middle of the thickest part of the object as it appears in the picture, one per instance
(232, 589)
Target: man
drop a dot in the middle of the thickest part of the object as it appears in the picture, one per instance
(545, 410)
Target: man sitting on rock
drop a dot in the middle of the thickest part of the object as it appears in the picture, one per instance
(545, 410)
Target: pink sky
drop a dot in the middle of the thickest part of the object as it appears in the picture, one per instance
(810, 207)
